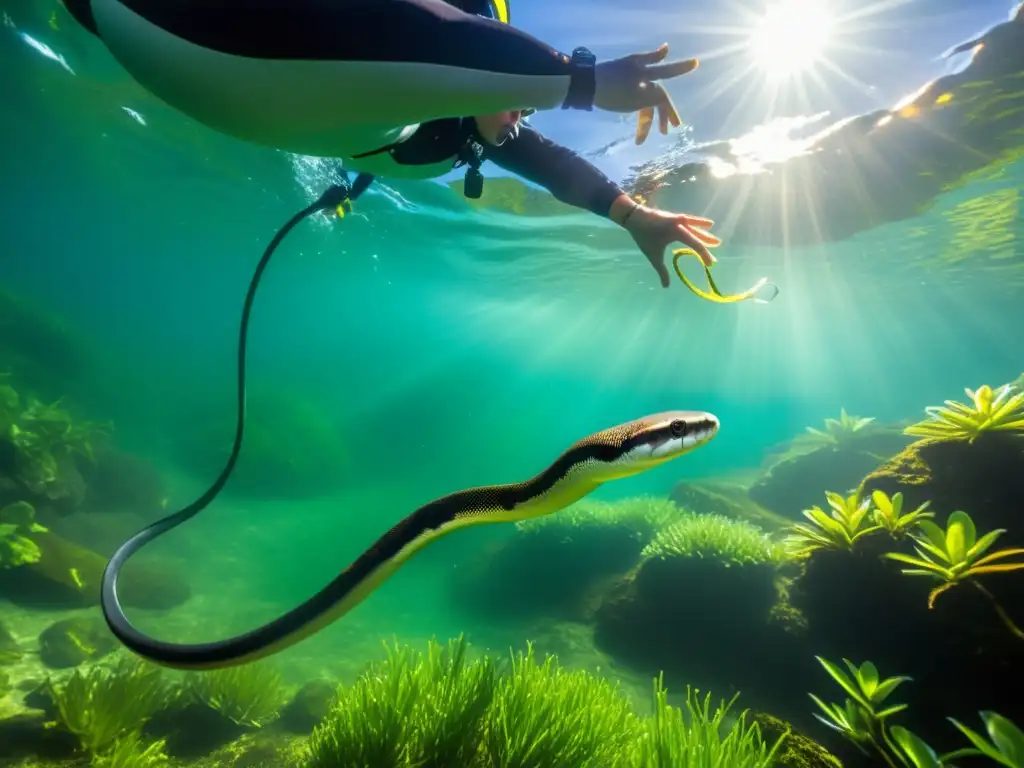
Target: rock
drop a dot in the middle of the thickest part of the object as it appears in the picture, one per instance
(860, 606)
(694, 617)
(797, 750)
(10, 651)
(68, 576)
(796, 481)
(984, 478)
(310, 705)
(70, 642)
(731, 499)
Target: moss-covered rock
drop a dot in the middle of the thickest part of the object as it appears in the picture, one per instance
(557, 566)
(984, 478)
(68, 576)
(798, 751)
(70, 642)
(725, 497)
(693, 604)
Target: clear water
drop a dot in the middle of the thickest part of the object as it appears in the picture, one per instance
(437, 346)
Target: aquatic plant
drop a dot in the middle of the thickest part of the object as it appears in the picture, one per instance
(250, 694)
(865, 725)
(848, 521)
(989, 411)
(862, 719)
(102, 707)
(956, 555)
(888, 513)
(837, 431)
(17, 520)
(733, 542)
(408, 708)
(441, 709)
(701, 739)
(640, 516)
(132, 752)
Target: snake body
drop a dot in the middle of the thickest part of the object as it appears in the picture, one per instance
(617, 452)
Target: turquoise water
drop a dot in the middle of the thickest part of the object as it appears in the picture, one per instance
(420, 346)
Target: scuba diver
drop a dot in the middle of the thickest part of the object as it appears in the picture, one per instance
(398, 88)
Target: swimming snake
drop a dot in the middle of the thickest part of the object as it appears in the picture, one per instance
(613, 453)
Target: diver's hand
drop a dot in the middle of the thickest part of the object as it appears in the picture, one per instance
(629, 84)
(653, 231)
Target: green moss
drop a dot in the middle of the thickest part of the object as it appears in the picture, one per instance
(797, 751)
(731, 541)
(17, 523)
(640, 517)
(250, 695)
(440, 709)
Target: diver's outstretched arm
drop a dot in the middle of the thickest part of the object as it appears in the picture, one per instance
(300, 74)
(567, 176)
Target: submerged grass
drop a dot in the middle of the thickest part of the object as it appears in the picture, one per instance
(640, 516)
(733, 542)
(436, 710)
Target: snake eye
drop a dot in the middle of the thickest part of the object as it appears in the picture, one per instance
(678, 428)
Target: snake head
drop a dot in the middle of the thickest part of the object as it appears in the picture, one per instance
(639, 445)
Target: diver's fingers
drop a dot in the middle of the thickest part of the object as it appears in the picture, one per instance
(705, 237)
(696, 221)
(672, 69)
(690, 239)
(650, 57)
(664, 117)
(643, 124)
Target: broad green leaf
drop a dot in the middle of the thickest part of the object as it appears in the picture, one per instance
(982, 544)
(927, 565)
(956, 540)
(1006, 736)
(890, 711)
(981, 745)
(970, 533)
(999, 555)
(886, 687)
(916, 750)
(867, 677)
(847, 685)
(936, 537)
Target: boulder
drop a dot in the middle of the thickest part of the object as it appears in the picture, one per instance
(70, 642)
(68, 576)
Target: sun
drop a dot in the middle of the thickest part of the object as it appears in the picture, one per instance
(790, 37)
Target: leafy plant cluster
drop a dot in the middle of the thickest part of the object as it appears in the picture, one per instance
(17, 523)
(441, 709)
(730, 541)
(640, 517)
(106, 709)
(44, 437)
(1000, 410)
(838, 432)
(952, 556)
(864, 721)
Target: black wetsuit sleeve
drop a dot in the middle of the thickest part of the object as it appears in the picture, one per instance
(429, 33)
(558, 169)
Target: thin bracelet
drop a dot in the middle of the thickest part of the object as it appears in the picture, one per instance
(629, 213)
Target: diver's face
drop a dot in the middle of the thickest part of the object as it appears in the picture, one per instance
(499, 128)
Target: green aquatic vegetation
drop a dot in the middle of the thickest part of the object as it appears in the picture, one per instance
(990, 411)
(863, 721)
(956, 555)
(837, 432)
(17, 521)
(441, 709)
(5, 684)
(733, 542)
(132, 752)
(101, 706)
(641, 516)
(249, 694)
(701, 739)
(888, 513)
(862, 718)
(848, 521)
